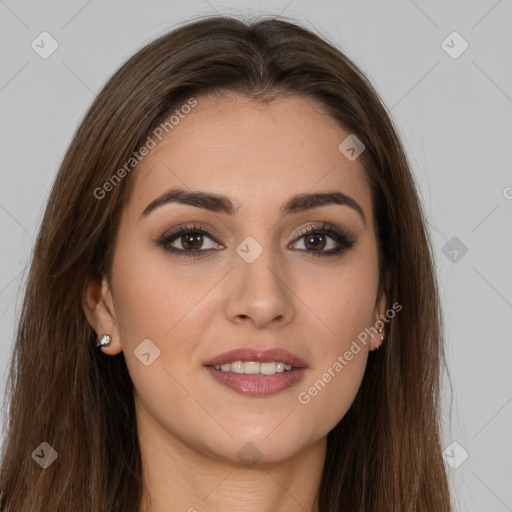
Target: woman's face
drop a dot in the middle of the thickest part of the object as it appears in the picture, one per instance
(245, 276)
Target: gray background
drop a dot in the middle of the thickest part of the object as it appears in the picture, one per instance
(453, 114)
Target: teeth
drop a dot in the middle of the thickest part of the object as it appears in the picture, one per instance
(268, 368)
(254, 368)
(237, 367)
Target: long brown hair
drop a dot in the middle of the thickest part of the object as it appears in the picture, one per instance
(385, 454)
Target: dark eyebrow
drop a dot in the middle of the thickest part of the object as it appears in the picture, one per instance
(303, 202)
(222, 204)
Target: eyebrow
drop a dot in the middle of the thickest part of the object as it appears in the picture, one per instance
(223, 204)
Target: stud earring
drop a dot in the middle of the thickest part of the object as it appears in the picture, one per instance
(104, 341)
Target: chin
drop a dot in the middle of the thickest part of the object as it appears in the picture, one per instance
(250, 449)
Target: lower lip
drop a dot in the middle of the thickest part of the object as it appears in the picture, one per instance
(258, 385)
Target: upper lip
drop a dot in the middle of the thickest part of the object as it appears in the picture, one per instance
(257, 355)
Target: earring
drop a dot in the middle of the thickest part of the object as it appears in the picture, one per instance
(104, 341)
(381, 338)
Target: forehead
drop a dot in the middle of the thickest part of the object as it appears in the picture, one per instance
(252, 152)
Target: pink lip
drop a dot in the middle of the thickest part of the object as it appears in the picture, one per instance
(258, 356)
(257, 385)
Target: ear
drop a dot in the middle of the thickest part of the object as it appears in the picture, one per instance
(99, 309)
(378, 322)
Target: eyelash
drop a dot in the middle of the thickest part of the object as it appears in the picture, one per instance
(344, 241)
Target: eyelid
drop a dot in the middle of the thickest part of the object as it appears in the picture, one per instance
(325, 226)
(208, 231)
(344, 240)
(214, 234)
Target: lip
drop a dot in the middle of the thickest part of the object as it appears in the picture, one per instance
(257, 385)
(254, 385)
(258, 356)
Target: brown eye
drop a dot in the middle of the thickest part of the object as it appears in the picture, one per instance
(192, 241)
(189, 241)
(324, 241)
(315, 242)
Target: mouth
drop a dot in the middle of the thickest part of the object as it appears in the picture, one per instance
(256, 372)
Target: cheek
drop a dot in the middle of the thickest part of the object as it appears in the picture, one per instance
(153, 296)
(340, 362)
(168, 305)
(345, 299)
(328, 393)
(340, 299)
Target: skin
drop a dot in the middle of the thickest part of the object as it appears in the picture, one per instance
(190, 426)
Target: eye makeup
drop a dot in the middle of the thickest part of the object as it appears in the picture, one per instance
(192, 236)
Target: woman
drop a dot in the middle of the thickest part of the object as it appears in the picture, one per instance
(232, 300)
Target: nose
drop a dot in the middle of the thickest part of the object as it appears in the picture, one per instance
(260, 292)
